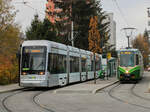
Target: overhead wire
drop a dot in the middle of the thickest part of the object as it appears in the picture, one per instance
(121, 12)
(26, 4)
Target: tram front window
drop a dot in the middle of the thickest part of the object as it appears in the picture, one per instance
(33, 60)
(127, 60)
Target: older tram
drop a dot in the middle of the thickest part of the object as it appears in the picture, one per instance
(46, 64)
(130, 65)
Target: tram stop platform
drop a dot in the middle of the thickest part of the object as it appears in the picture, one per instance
(88, 87)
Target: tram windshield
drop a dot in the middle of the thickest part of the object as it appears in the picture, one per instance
(33, 59)
(126, 59)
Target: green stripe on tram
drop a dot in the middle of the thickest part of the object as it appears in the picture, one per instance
(131, 70)
(26, 69)
(134, 69)
(122, 70)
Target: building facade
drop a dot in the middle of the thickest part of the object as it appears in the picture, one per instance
(112, 29)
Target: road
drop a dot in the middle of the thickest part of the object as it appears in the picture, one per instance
(127, 97)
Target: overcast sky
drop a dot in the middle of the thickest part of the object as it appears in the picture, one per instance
(127, 13)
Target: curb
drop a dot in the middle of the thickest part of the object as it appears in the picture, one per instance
(11, 90)
(96, 90)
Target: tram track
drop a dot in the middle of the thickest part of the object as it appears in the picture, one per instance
(15, 92)
(141, 97)
(112, 90)
(40, 105)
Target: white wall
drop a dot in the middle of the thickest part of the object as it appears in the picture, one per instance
(112, 28)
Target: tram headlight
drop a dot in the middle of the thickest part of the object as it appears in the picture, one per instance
(24, 73)
(127, 72)
(41, 73)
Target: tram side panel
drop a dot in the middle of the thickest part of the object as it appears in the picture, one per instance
(74, 70)
(83, 65)
(57, 67)
(90, 66)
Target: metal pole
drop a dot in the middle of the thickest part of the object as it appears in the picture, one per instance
(94, 70)
(72, 38)
(107, 61)
(128, 41)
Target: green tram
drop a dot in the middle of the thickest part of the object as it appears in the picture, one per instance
(130, 65)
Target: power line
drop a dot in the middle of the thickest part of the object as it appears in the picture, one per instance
(28, 1)
(26, 4)
(121, 12)
(34, 9)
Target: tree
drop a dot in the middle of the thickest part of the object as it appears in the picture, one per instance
(80, 12)
(9, 43)
(81, 21)
(94, 36)
(140, 43)
(146, 36)
(41, 30)
(6, 14)
(94, 39)
(34, 32)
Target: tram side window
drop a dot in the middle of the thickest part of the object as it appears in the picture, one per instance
(83, 64)
(74, 64)
(97, 64)
(137, 59)
(57, 63)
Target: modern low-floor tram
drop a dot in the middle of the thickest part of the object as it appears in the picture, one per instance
(130, 65)
(47, 64)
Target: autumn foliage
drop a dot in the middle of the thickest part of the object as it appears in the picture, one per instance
(141, 43)
(94, 36)
(9, 43)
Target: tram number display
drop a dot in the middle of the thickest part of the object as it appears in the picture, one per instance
(126, 52)
(34, 50)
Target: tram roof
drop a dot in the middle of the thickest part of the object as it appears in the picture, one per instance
(35, 42)
(53, 44)
(43, 43)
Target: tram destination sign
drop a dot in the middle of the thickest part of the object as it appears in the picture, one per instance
(34, 50)
(125, 52)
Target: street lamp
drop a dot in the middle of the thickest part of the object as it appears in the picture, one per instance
(128, 32)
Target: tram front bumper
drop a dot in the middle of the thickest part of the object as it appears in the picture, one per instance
(127, 77)
(33, 83)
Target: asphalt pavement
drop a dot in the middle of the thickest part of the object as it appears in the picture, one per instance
(84, 87)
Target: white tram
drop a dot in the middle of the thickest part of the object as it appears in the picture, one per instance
(46, 64)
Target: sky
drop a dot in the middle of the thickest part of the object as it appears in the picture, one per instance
(127, 13)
